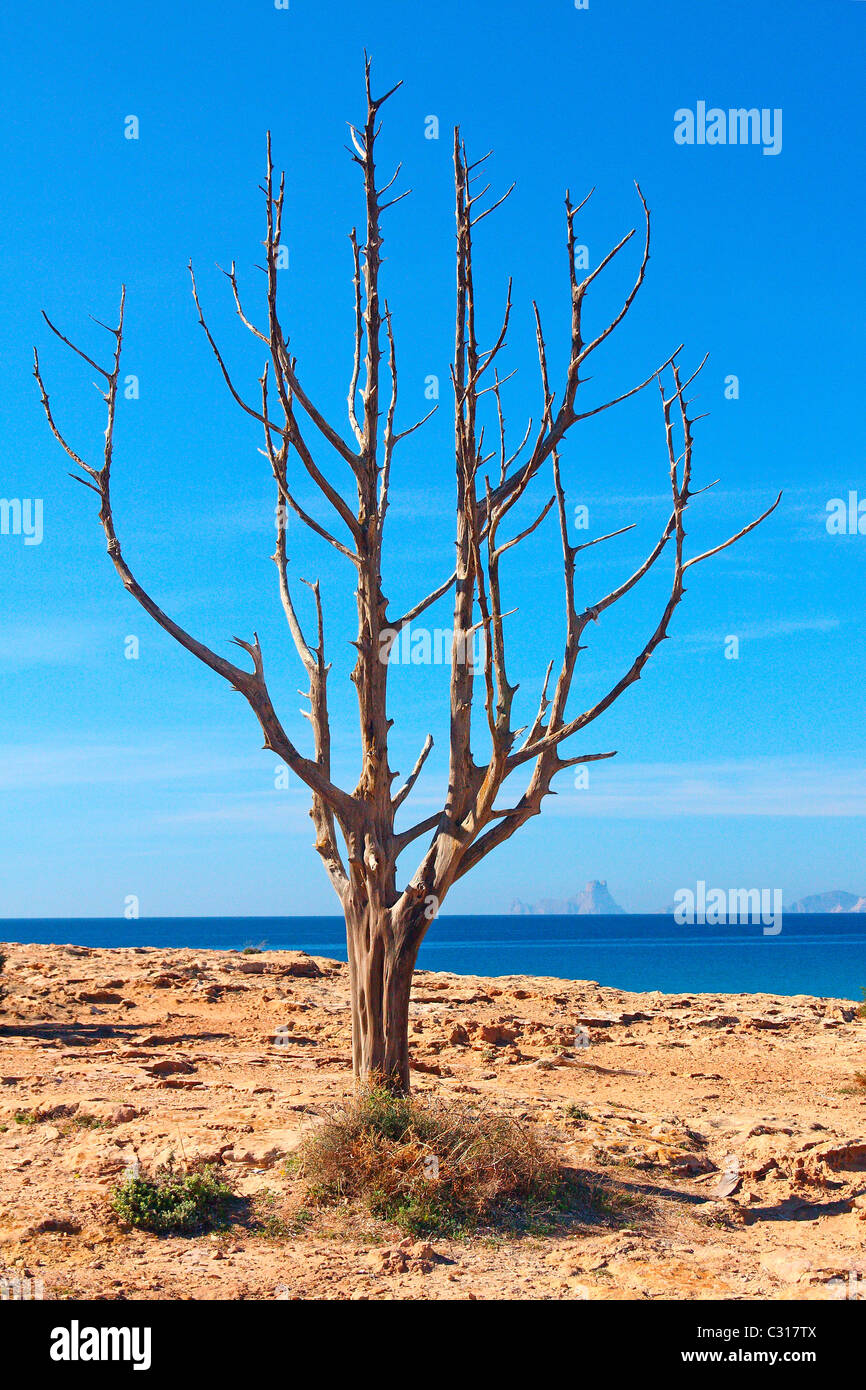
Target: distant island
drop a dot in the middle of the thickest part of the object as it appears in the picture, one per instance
(834, 901)
(594, 901)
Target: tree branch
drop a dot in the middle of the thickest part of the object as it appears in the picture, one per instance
(251, 684)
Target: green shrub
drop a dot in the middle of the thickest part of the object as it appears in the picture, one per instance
(172, 1201)
(270, 1216)
(82, 1120)
(373, 1149)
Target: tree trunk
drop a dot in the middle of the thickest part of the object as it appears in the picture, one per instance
(380, 975)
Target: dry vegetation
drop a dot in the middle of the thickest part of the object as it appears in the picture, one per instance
(485, 1168)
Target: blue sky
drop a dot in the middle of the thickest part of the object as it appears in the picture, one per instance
(146, 777)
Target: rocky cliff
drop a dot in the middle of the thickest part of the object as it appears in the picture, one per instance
(593, 901)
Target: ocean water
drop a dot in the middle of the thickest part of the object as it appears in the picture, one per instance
(824, 955)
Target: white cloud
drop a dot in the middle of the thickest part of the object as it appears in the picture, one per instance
(792, 786)
(24, 645)
(771, 627)
(38, 767)
(273, 811)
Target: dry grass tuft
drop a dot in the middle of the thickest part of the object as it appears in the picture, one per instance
(480, 1168)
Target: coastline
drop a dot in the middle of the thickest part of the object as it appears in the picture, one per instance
(232, 1058)
(822, 955)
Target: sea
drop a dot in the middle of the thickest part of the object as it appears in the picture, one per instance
(823, 955)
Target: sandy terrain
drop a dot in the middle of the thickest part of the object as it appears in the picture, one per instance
(111, 1056)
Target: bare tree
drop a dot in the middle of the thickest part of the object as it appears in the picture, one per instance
(356, 831)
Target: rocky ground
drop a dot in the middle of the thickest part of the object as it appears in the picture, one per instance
(723, 1138)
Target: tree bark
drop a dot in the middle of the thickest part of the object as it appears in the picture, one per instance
(381, 964)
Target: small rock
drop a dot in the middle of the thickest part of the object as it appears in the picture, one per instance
(497, 1033)
(169, 1065)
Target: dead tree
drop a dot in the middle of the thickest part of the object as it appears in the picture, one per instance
(388, 914)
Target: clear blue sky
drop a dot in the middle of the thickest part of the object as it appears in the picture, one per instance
(146, 777)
